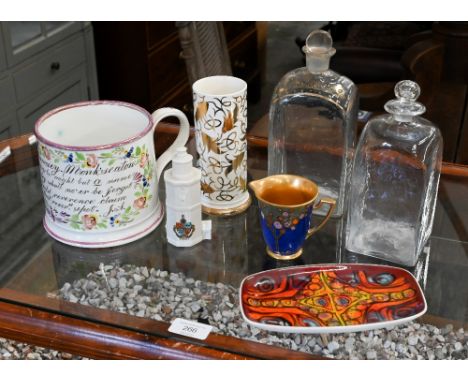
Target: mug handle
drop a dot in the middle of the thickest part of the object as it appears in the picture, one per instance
(180, 141)
(332, 204)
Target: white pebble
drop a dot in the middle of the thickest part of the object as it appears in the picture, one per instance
(185, 291)
(332, 346)
(317, 348)
(440, 338)
(122, 283)
(33, 356)
(195, 307)
(349, 344)
(91, 285)
(188, 314)
(255, 331)
(412, 340)
(228, 313)
(141, 313)
(371, 354)
(400, 348)
(117, 302)
(311, 343)
(138, 278)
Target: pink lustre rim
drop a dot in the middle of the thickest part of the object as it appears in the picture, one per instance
(90, 103)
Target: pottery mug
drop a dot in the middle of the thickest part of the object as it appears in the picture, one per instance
(286, 203)
(99, 171)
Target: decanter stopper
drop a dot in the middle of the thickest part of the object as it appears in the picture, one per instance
(405, 107)
(318, 50)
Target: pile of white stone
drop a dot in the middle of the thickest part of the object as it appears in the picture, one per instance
(164, 296)
(17, 350)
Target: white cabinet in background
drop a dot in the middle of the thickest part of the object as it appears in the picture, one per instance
(43, 64)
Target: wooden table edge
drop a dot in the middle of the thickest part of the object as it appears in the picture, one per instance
(103, 334)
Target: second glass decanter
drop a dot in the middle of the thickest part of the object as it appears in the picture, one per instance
(394, 181)
(313, 122)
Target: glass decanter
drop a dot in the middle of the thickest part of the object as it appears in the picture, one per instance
(394, 181)
(313, 122)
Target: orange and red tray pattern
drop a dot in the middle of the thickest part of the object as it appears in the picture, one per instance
(332, 295)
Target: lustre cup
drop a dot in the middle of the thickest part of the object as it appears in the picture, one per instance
(286, 203)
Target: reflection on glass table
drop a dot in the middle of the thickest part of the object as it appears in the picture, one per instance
(24, 31)
(149, 281)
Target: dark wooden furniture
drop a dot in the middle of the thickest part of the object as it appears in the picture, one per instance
(438, 61)
(452, 102)
(140, 62)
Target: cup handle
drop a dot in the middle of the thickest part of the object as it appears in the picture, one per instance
(332, 205)
(181, 139)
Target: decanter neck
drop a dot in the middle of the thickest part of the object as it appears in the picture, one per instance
(403, 118)
(317, 64)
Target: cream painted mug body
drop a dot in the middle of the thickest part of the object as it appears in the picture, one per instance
(99, 171)
(220, 114)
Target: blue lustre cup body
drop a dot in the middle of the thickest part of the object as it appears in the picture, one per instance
(284, 229)
(286, 203)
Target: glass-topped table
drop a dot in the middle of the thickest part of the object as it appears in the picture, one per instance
(74, 299)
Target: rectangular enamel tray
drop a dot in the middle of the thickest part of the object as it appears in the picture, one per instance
(331, 298)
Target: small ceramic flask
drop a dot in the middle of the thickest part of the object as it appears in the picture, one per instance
(184, 225)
